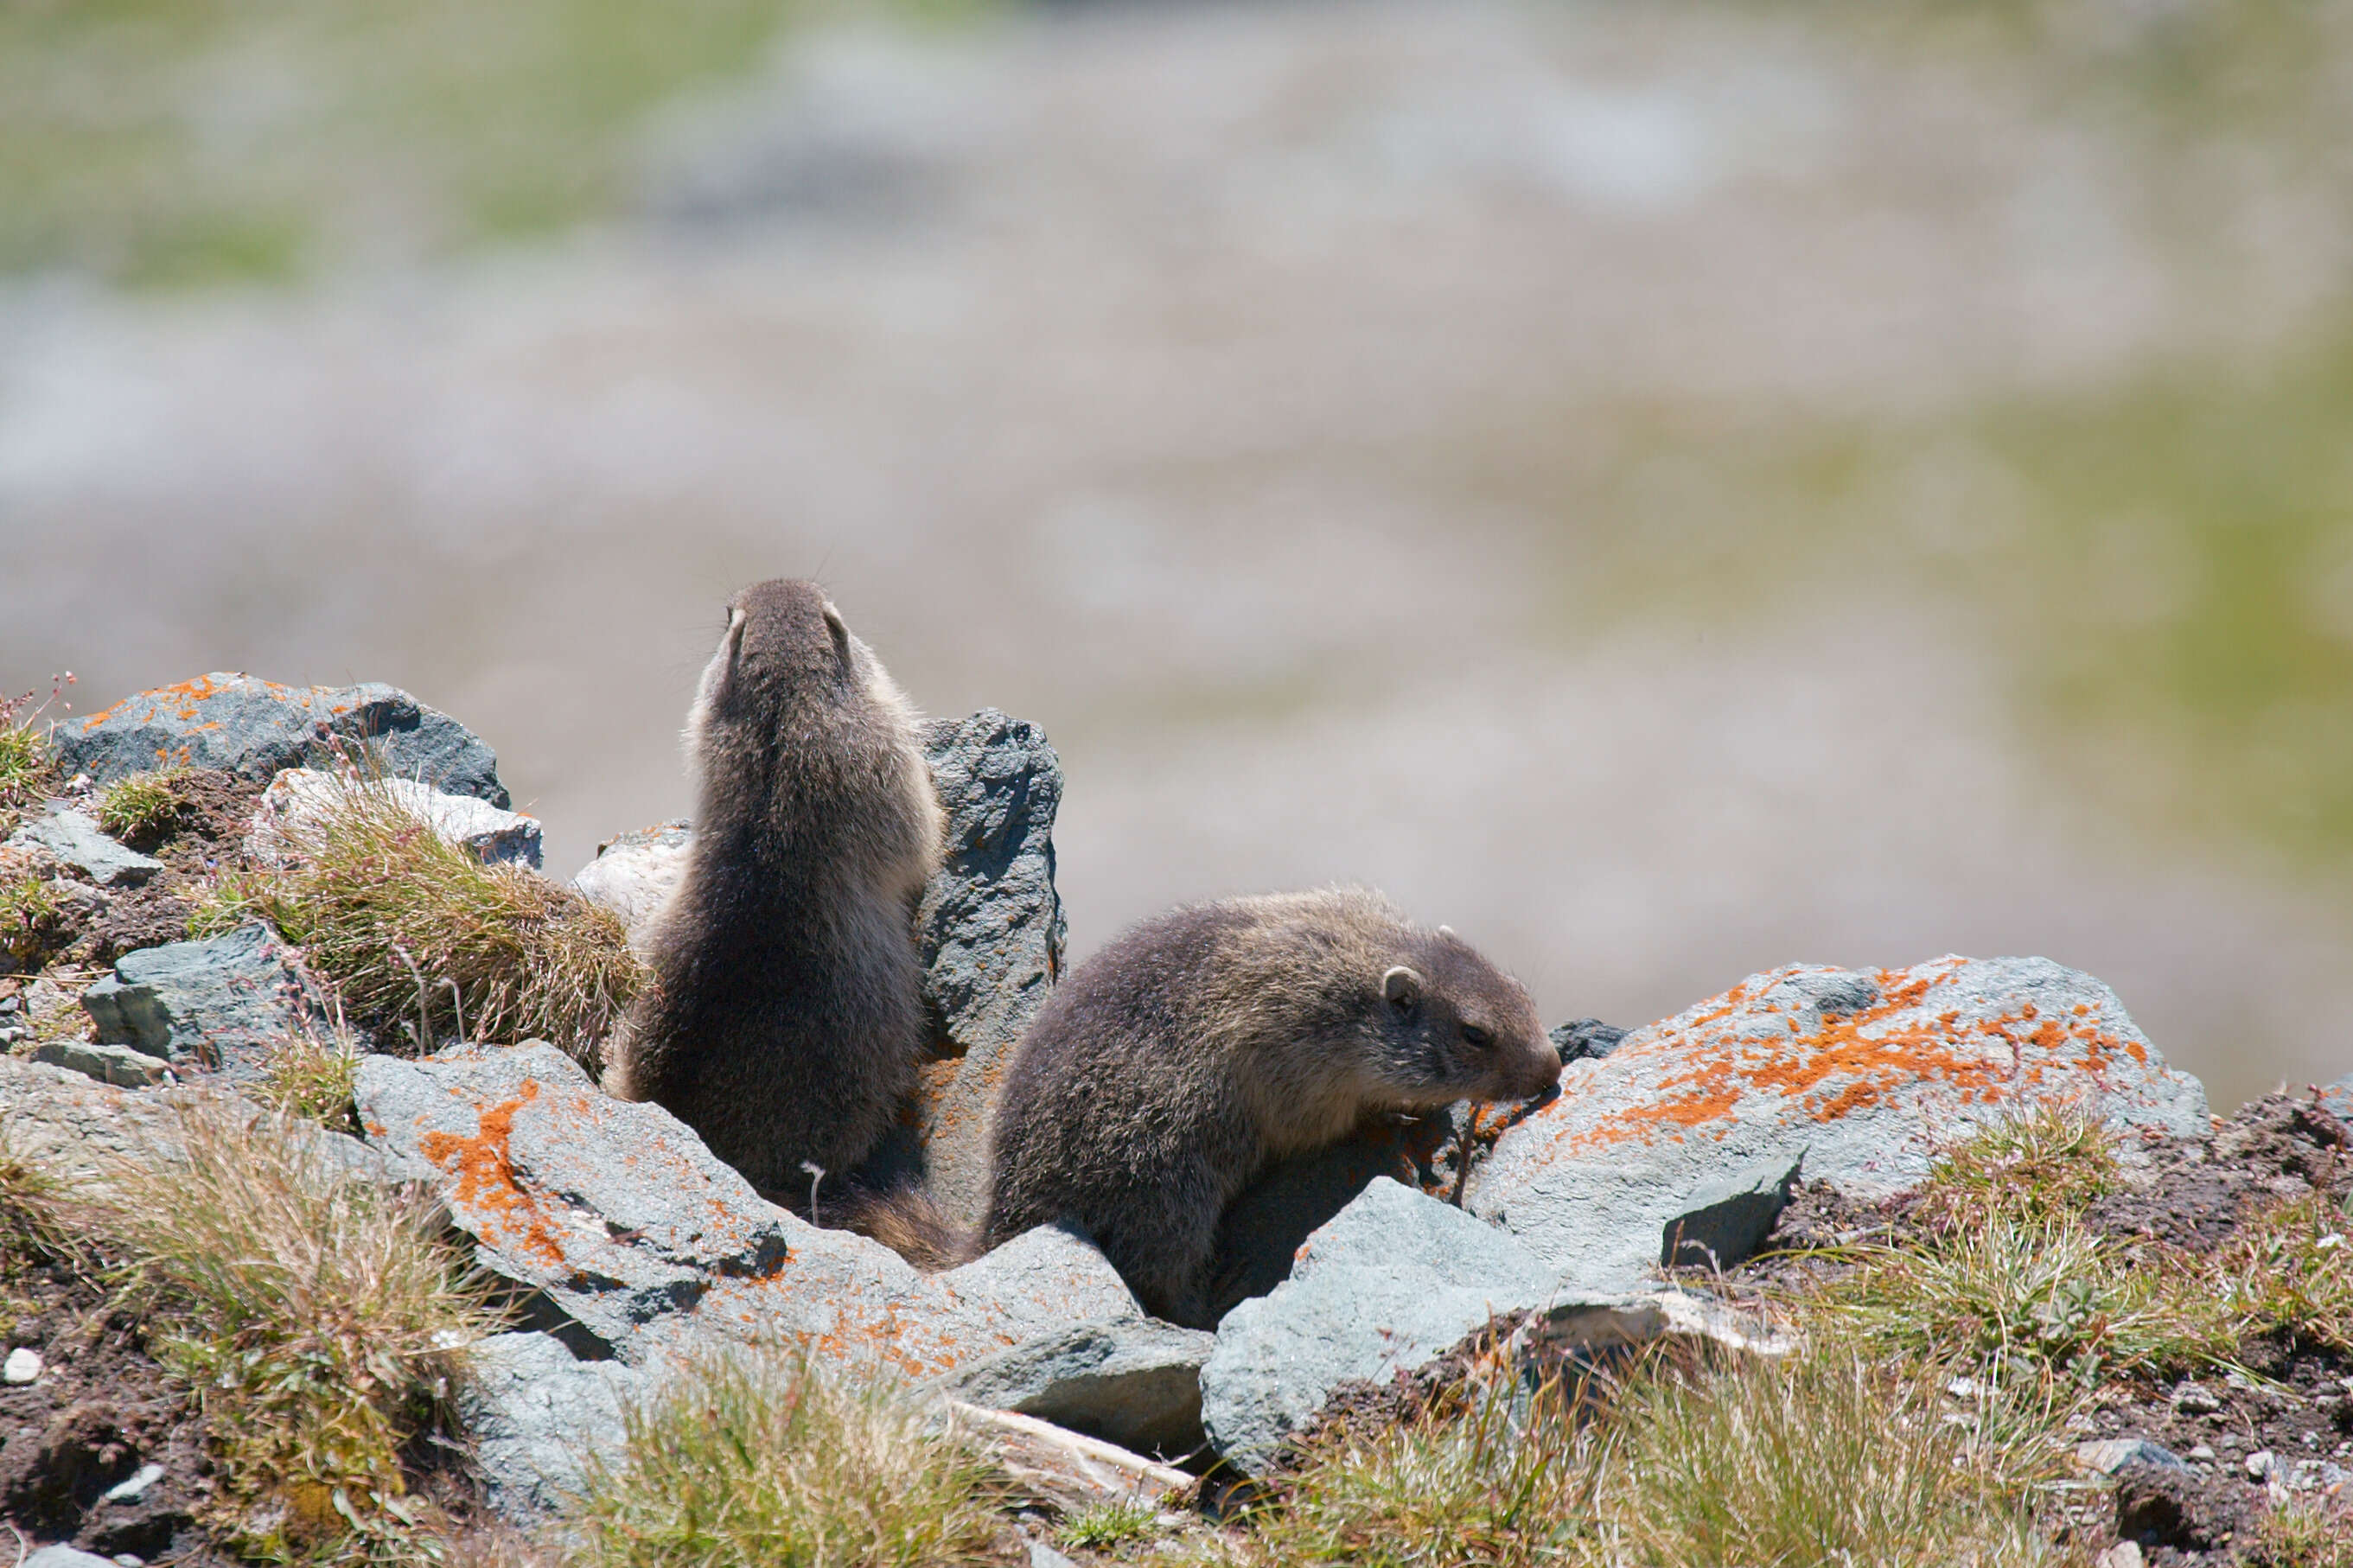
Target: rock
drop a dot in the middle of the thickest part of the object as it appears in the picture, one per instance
(639, 1234)
(66, 1557)
(2123, 1555)
(299, 800)
(118, 1065)
(1586, 1040)
(1727, 1220)
(1044, 1556)
(634, 873)
(76, 840)
(2110, 1455)
(23, 1365)
(2338, 1095)
(136, 1487)
(2194, 1399)
(1261, 1232)
(1391, 1282)
(535, 1413)
(1861, 1074)
(219, 1003)
(2261, 1464)
(1067, 1469)
(1133, 1382)
(990, 929)
(255, 728)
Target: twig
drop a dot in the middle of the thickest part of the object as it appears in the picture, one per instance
(457, 1005)
(424, 1024)
(817, 1175)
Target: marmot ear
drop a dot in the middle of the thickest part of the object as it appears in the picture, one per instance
(837, 630)
(1401, 986)
(1447, 930)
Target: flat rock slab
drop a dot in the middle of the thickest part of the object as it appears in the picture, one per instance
(633, 873)
(620, 1216)
(537, 1417)
(75, 839)
(1396, 1278)
(222, 1003)
(255, 728)
(300, 801)
(118, 1065)
(1133, 1382)
(1857, 1075)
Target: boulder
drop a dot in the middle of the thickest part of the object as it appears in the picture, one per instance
(634, 873)
(255, 728)
(536, 1414)
(1858, 1075)
(2338, 1096)
(62, 1556)
(636, 1233)
(1136, 1381)
(220, 1004)
(300, 800)
(1393, 1280)
(1586, 1040)
(991, 932)
(118, 1065)
(75, 841)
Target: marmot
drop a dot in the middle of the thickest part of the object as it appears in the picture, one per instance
(1173, 1067)
(782, 1018)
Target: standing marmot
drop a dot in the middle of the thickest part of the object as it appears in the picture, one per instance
(1173, 1067)
(783, 1019)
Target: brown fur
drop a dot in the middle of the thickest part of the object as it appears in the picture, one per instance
(1173, 1067)
(784, 1018)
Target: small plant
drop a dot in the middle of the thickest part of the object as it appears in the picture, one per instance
(1820, 1458)
(409, 926)
(32, 921)
(1109, 1525)
(762, 1458)
(2290, 1269)
(315, 1320)
(314, 1079)
(2303, 1533)
(1467, 1486)
(26, 764)
(2046, 1164)
(144, 807)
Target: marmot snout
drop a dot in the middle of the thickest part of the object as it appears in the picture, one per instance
(1173, 1067)
(784, 1018)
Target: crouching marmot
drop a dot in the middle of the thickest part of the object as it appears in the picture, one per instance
(783, 1019)
(1173, 1067)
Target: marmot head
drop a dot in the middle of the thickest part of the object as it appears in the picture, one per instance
(1455, 1026)
(784, 653)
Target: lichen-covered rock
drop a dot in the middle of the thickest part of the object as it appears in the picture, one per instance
(633, 873)
(300, 801)
(255, 728)
(1136, 1381)
(631, 1227)
(535, 1414)
(1858, 1075)
(1391, 1282)
(221, 1004)
(74, 839)
(2339, 1096)
(991, 932)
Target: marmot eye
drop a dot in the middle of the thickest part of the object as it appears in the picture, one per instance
(1475, 1036)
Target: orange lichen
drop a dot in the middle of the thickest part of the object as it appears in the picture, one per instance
(487, 1188)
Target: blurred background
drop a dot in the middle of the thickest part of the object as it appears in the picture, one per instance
(1670, 490)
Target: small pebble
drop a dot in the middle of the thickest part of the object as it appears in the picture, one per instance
(2261, 1465)
(135, 1487)
(23, 1365)
(2194, 1399)
(2202, 1452)
(129, 1560)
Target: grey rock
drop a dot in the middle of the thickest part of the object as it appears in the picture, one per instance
(118, 1065)
(300, 801)
(1392, 1281)
(1044, 1556)
(1586, 1040)
(1865, 1074)
(536, 1417)
(1261, 1232)
(134, 1486)
(2338, 1095)
(2110, 1455)
(66, 1557)
(219, 1003)
(76, 840)
(1728, 1219)
(253, 728)
(638, 1234)
(2194, 1399)
(990, 930)
(1133, 1382)
(633, 873)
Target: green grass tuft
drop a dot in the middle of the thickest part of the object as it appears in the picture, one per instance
(314, 1079)
(316, 1319)
(2047, 1163)
(763, 1457)
(2290, 1270)
(409, 926)
(145, 806)
(1109, 1525)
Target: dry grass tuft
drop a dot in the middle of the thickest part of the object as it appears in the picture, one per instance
(2047, 1163)
(312, 1077)
(316, 1320)
(1822, 1457)
(409, 926)
(762, 1458)
(2290, 1271)
(2303, 1533)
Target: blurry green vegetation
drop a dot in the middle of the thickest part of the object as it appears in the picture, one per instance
(163, 142)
